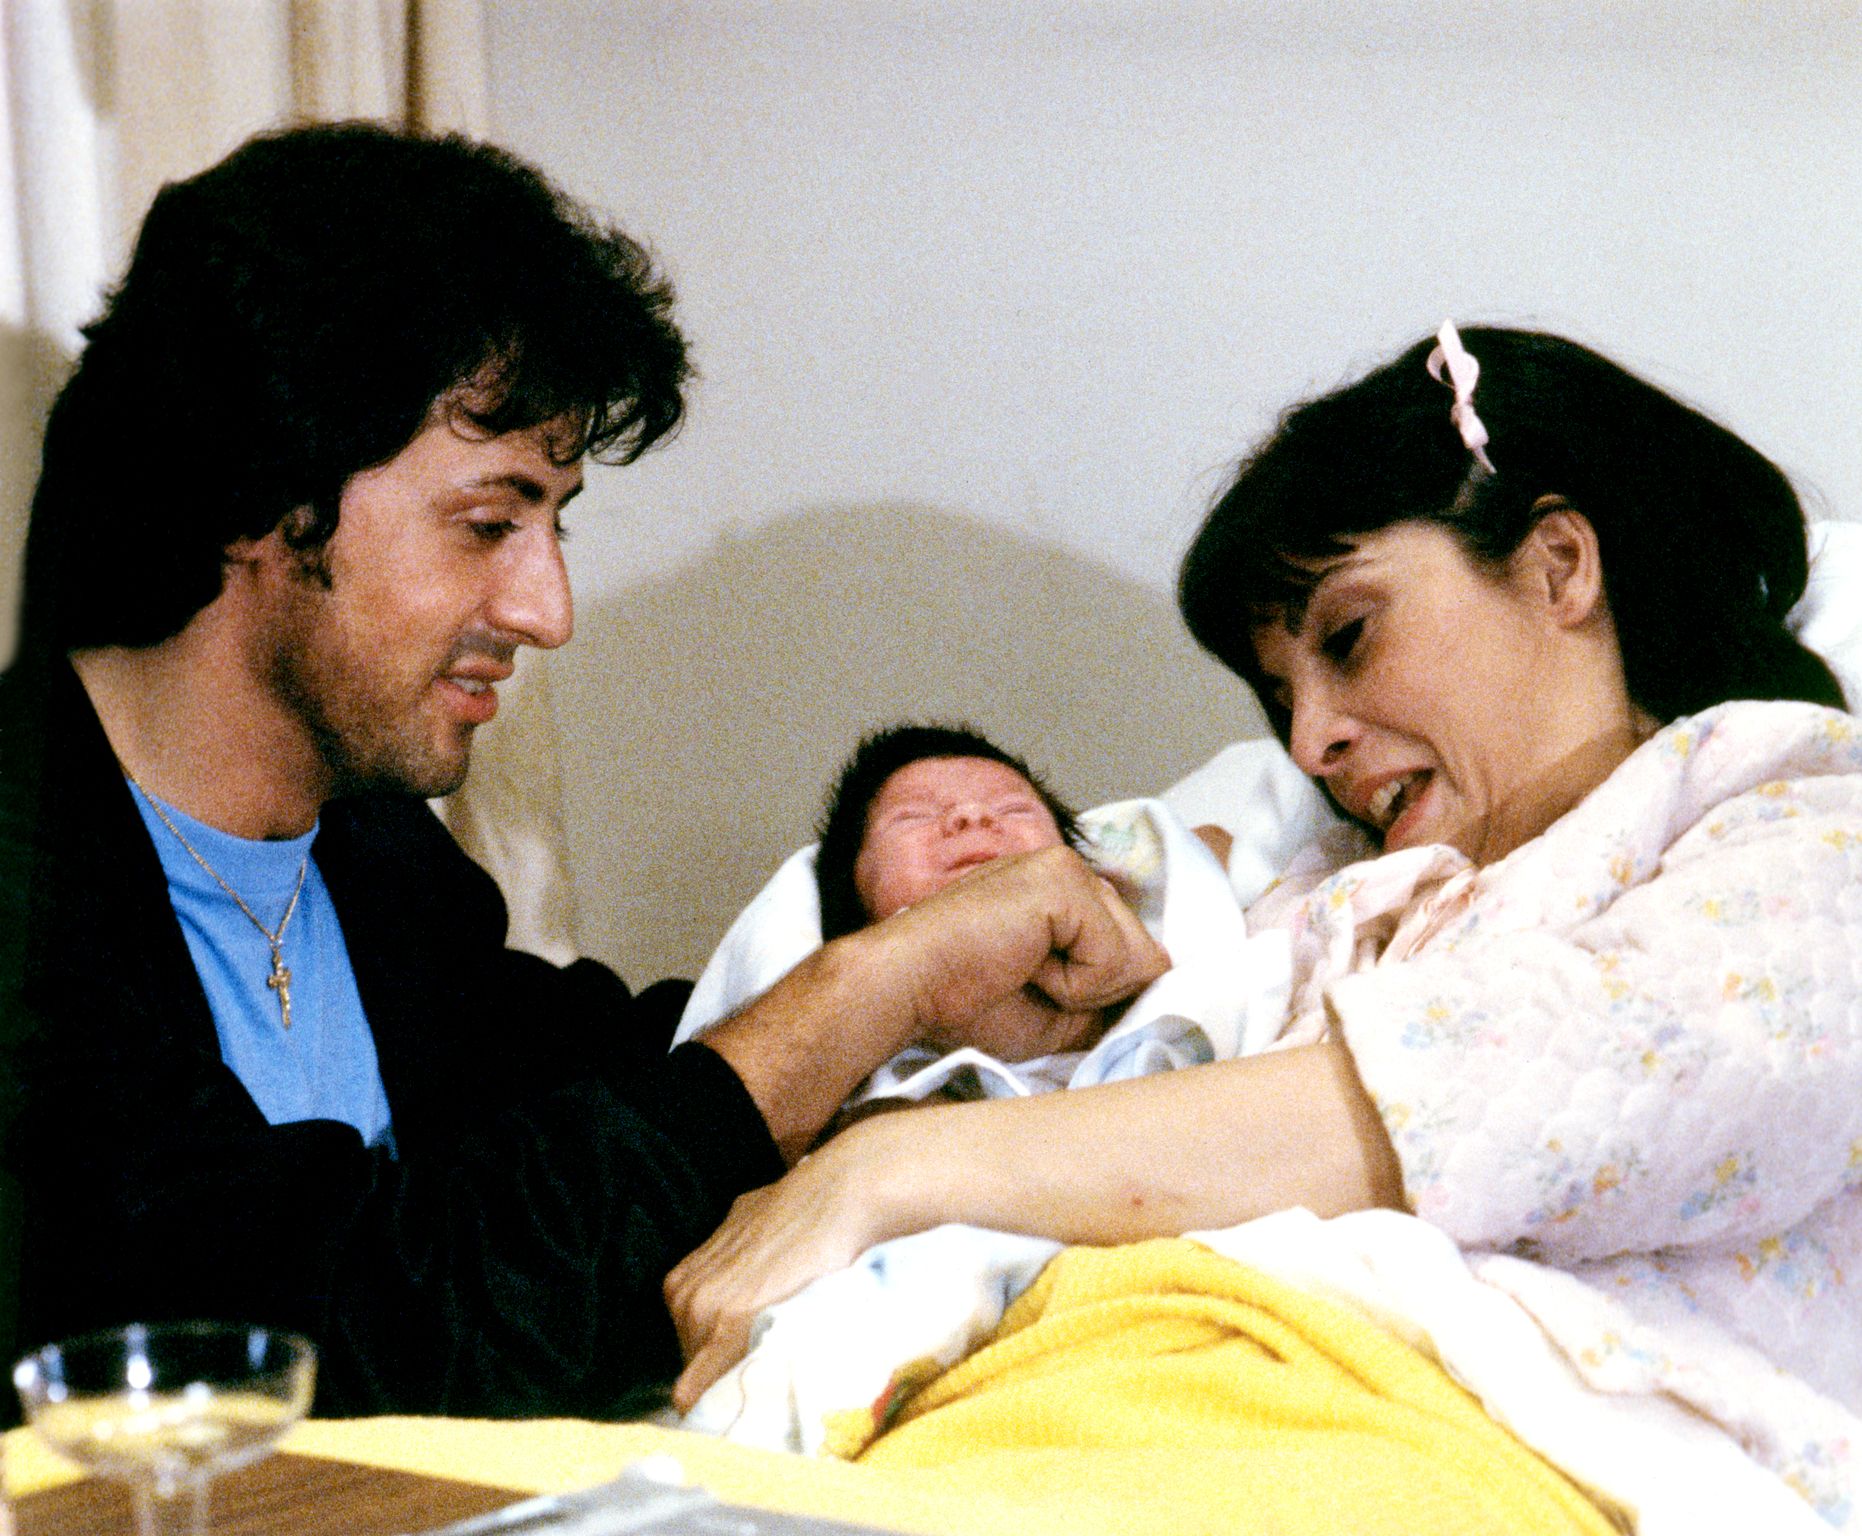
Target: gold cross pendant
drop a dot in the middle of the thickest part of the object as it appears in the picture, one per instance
(280, 982)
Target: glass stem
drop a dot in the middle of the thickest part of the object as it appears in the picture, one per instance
(179, 1510)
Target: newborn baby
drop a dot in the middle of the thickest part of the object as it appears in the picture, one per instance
(917, 807)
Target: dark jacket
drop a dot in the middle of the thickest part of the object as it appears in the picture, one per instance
(553, 1163)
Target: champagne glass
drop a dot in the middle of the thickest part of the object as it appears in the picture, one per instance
(167, 1407)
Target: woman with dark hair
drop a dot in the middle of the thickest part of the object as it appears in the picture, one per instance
(1594, 1011)
(1700, 536)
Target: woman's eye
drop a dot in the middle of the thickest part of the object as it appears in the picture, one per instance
(1341, 642)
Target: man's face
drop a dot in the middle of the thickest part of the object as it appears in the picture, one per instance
(444, 561)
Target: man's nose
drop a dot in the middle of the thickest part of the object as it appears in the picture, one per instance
(533, 605)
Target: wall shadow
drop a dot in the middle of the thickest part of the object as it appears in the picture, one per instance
(32, 367)
(702, 715)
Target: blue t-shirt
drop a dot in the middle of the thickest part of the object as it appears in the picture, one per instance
(324, 1066)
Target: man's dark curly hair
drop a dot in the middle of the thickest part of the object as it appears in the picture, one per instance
(880, 755)
(291, 317)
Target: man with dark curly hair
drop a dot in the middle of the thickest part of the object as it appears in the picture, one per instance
(300, 506)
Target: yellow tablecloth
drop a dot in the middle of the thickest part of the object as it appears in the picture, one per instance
(556, 1455)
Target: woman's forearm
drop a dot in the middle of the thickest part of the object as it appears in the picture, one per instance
(1202, 1147)
(1205, 1147)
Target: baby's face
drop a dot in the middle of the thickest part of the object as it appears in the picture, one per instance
(939, 818)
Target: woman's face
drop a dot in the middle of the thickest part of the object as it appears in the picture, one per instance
(1440, 702)
(938, 819)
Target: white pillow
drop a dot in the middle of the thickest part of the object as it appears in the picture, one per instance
(1252, 791)
(1272, 810)
(1828, 617)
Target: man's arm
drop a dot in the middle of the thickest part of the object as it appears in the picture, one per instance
(1039, 927)
(508, 1261)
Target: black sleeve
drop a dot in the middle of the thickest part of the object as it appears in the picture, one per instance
(512, 1286)
(553, 1163)
(515, 1271)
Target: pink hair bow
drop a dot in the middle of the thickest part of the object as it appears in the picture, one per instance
(1463, 373)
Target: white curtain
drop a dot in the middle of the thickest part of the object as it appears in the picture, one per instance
(101, 102)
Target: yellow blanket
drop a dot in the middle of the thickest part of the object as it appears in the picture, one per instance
(1156, 1388)
(1162, 1388)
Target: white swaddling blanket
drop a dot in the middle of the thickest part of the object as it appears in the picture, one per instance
(1225, 994)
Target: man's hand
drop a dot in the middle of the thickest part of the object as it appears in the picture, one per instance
(1022, 1027)
(1018, 958)
(1011, 959)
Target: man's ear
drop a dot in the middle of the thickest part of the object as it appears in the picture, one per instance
(1561, 559)
(279, 544)
(246, 552)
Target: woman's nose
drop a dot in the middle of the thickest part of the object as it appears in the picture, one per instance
(1320, 736)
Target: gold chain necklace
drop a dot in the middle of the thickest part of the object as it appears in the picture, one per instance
(280, 979)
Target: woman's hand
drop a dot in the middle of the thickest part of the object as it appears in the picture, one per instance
(819, 1218)
(1154, 1156)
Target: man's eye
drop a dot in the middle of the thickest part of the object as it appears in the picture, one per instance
(494, 531)
(1343, 641)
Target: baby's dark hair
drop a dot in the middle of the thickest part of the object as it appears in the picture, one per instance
(879, 756)
(1701, 536)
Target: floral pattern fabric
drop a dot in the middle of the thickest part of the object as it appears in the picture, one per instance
(1649, 1129)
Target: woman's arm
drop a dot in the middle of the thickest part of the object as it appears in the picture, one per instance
(1203, 1147)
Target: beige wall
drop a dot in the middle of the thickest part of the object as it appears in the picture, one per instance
(986, 295)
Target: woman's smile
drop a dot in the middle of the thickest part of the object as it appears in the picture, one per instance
(1441, 701)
